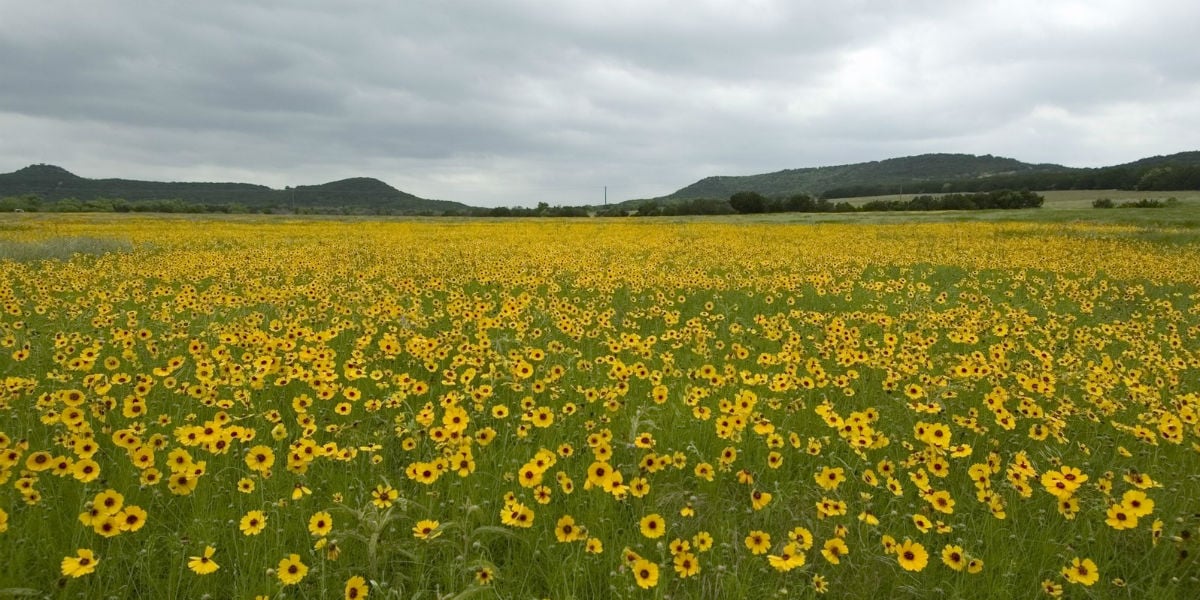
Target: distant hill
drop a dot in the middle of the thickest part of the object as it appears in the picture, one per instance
(60, 189)
(893, 171)
(367, 192)
(938, 173)
(1187, 158)
(360, 194)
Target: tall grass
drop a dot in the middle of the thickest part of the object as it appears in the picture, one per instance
(60, 248)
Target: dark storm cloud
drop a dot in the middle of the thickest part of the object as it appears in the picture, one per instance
(519, 102)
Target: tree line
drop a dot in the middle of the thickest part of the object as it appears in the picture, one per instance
(35, 203)
(1154, 178)
(746, 202)
(998, 199)
(749, 202)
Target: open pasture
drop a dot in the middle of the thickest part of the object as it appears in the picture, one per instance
(242, 408)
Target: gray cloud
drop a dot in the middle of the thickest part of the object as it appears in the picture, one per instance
(518, 102)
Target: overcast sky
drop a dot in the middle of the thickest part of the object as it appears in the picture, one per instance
(516, 102)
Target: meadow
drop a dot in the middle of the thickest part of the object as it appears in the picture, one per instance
(909, 406)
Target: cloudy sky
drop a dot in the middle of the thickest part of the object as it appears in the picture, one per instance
(520, 101)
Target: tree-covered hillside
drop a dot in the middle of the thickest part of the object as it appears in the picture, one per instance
(891, 172)
(53, 184)
(944, 173)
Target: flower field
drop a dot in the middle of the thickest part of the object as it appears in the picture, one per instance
(440, 409)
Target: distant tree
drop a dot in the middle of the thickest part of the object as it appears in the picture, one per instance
(23, 203)
(97, 205)
(66, 205)
(706, 206)
(649, 209)
(614, 210)
(569, 211)
(799, 203)
(748, 202)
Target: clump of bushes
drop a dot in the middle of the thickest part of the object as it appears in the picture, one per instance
(1143, 203)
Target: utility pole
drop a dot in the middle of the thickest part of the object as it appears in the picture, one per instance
(606, 195)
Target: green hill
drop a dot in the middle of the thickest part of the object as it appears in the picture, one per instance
(51, 183)
(943, 173)
(367, 192)
(893, 172)
(1186, 158)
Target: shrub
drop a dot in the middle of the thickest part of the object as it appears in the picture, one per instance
(1143, 203)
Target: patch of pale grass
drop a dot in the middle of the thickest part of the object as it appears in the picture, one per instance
(61, 248)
